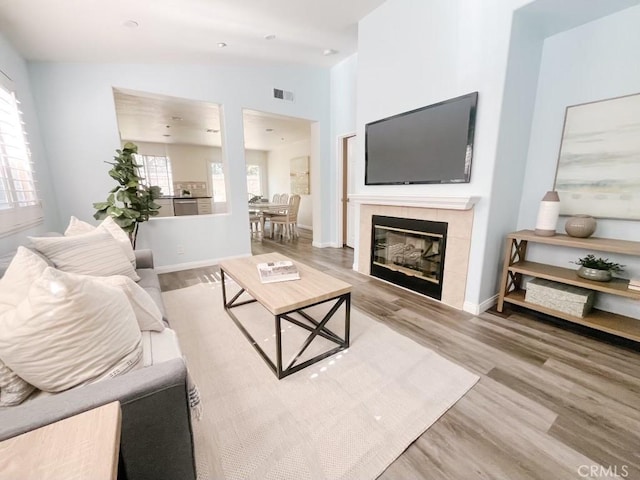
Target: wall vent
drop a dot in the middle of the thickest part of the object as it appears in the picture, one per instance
(282, 95)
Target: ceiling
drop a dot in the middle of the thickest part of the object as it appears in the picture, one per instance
(184, 31)
(146, 117)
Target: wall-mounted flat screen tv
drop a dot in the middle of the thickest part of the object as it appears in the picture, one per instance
(432, 144)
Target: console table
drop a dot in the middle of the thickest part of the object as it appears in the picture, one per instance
(516, 265)
(81, 447)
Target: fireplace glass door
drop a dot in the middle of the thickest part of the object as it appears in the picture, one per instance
(409, 257)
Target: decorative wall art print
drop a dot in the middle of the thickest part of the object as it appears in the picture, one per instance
(299, 174)
(599, 162)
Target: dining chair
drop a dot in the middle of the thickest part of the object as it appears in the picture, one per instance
(278, 199)
(255, 224)
(288, 221)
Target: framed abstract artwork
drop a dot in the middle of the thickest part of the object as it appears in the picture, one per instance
(598, 171)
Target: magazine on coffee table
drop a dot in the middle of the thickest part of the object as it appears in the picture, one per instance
(281, 271)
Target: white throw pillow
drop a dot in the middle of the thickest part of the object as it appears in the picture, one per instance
(94, 253)
(147, 312)
(78, 227)
(70, 330)
(25, 267)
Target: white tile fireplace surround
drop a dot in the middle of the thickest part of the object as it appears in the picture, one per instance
(457, 212)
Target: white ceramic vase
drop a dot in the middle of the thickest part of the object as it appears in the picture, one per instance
(548, 214)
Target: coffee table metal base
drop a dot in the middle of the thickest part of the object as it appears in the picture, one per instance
(317, 328)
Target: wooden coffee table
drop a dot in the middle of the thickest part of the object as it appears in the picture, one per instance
(283, 299)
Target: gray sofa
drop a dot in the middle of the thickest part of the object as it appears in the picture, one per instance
(156, 436)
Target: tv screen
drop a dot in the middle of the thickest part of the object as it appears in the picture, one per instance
(432, 144)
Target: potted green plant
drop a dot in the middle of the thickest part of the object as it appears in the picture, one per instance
(131, 202)
(599, 269)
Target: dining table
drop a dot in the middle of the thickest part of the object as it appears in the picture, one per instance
(267, 206)
(266, 209)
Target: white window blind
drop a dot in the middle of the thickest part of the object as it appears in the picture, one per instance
(156, 171)
(254, 183)
(19, 203)
(218, 186)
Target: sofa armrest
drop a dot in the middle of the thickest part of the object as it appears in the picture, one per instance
(144, 258)
(156, 437)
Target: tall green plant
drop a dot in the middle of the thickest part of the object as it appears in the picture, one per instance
(130, 202)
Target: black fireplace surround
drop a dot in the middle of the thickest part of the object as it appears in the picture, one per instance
(409, 253)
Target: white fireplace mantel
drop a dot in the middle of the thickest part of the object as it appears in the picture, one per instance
(419, 201)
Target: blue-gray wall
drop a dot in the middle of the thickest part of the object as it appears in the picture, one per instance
(77, 114)
(595, 61)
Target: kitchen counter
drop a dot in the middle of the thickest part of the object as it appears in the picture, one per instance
(169, 197)
(178, 206)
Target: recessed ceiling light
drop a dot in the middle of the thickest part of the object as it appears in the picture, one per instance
(329, 51)
(177, 118)
(168, 126)
(221, 44)
(166, 135)
(130, 24)
(270, 36)
(268, 129)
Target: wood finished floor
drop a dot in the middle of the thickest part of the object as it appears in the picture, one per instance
(550, 400)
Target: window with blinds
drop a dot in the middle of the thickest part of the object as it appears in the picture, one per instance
(19, 203)
(156, 171)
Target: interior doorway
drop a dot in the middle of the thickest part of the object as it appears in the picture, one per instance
(348, 187)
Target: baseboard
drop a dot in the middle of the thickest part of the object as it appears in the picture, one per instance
(305, 227)
(176, 267)
(477, 309)
(321, 245)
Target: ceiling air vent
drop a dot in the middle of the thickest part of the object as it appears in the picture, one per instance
(282, 95)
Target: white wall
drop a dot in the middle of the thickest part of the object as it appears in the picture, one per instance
(12, 64)
(77, 114)
(343, 123)
(595, 61)
(415, 53)
(344, 96)
(191, 162)
(188, 162)
(280, 181)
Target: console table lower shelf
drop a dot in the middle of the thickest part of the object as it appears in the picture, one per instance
(613, 323)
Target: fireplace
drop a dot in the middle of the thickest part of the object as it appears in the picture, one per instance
(409, 253)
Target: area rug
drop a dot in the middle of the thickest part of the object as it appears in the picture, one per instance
(347, 417)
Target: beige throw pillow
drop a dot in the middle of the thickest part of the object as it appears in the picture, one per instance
(24, 269)
(71, 329)
(13, 389)
(147, 312)
(94, 253)
(78, 227)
